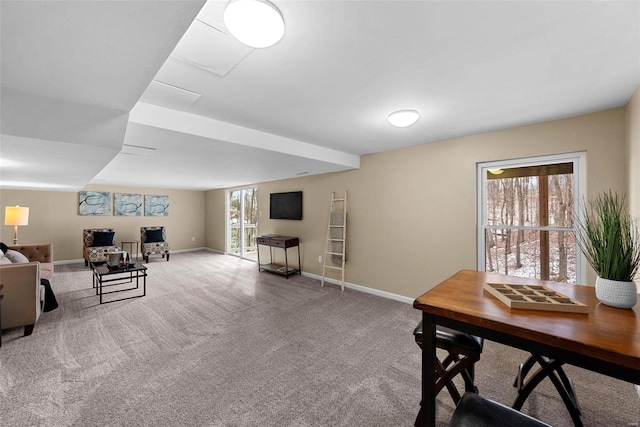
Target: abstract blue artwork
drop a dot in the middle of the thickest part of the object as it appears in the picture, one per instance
(156, 205)
(94, 203)
(125, 204)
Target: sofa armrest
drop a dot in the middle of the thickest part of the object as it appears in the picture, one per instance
(41, 252)
(21, 294)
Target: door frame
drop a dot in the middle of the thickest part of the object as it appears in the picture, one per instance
(228, 222)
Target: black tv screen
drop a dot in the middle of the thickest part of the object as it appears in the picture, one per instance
(285, 205)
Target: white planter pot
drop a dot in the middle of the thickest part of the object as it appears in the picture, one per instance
(616, 294)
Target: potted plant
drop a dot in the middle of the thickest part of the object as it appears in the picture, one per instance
(610, 240)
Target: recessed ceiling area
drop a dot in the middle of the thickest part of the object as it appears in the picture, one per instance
(170, 138)
(86, 81)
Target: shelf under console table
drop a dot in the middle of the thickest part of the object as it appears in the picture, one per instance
(284, 242)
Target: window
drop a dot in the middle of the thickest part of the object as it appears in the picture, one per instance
(525, 217)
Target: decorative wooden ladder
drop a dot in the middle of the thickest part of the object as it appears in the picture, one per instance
(335, 248)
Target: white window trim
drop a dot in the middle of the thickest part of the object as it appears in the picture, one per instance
(579, 174)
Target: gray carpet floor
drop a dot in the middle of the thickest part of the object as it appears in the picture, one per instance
(216, 343)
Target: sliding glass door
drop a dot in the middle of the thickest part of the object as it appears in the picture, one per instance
(242, 220)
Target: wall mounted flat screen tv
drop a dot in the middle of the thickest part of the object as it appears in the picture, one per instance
(285, 205)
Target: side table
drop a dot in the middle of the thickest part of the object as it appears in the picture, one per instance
(283, 242)
(130, 243)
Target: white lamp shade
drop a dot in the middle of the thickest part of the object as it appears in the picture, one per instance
(403, 118)
(16, 215)
(256, 23)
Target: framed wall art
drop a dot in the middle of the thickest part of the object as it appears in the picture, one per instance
(125, 204)
(155, 205)
(97, 203)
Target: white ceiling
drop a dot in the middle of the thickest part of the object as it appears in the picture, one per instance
(156, 93)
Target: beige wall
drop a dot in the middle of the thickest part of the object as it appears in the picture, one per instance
(633, 156)
(412, 216)
(215, 223)
(633, 152)
(53, 217)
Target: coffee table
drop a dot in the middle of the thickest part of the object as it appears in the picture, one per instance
(105, 276)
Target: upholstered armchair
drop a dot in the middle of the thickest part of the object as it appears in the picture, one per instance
(23, 293)
(23, 296)
(96, 243)
(153, 241)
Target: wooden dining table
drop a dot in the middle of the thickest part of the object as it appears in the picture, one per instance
(604, 339)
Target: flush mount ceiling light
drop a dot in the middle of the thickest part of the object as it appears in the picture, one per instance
(403, 118)
(256, 23)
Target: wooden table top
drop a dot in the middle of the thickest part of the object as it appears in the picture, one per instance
(605, 333)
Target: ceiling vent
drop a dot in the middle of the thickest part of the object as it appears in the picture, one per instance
(136, 150)
(206, 45)
(169, 96)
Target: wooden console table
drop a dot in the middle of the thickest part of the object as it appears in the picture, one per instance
(284, 242)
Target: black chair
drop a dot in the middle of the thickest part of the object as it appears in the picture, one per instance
(476, 411)
(553, 370)
(463, 352)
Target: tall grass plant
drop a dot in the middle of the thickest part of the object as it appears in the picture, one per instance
(609, 237)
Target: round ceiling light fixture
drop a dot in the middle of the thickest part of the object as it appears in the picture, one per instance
(403, 118)
(256, 23)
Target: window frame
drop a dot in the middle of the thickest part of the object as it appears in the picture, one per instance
(579, 180)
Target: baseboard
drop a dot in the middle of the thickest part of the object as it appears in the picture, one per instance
(213, 250)
(68, 261)
(360, 288)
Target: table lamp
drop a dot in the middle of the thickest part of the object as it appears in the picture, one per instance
(16, 215)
